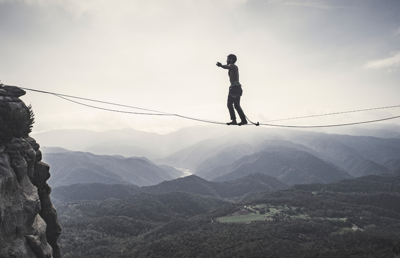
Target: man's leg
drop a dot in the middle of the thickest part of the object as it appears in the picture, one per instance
(239, 109)
(231, 110)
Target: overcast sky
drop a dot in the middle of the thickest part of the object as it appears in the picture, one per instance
(296, 58)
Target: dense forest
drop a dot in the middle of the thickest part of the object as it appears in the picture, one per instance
(350, 218)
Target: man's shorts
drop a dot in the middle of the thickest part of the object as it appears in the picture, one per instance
(235, 90)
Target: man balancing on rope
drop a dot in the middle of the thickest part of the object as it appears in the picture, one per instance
(235, 90)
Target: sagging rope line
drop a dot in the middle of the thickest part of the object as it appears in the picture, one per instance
(336, 125)
(93, 100)
(136, 113)
(329, 114)
(256, 124)
(158, 113)
(63, 96)
(113, 110)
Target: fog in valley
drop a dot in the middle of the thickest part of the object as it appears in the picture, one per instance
(212, 152)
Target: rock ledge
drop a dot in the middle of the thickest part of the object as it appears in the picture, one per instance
(29, 226)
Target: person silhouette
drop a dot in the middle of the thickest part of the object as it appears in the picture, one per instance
(235, 90)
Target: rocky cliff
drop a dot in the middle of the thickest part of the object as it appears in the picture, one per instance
(29, 226)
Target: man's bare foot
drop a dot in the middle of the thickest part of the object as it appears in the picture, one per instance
(242, 123)
(232, 123)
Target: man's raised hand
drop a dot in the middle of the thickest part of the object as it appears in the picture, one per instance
(219, 64)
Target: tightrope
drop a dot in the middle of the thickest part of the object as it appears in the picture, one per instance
(162, 113)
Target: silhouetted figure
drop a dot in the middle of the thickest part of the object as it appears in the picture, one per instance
(396, 250)
(235, 91)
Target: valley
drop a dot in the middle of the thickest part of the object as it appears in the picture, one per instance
(266, 193)
(306, 222)
(293, 157)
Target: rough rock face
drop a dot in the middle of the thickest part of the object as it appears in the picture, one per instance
(29, 226)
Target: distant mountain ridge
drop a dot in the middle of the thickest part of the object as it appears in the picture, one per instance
(358, 155)
(226, 154)
(190, 184)
(126, 142)
(83, 167)
(195, 156)
(234, 188)
(354, 155)
(289, 165)
(215, 165)
(393, 164)
(53, 150)
(365, 184)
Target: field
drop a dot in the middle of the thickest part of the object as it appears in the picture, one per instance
(251, 213)
(241, 219)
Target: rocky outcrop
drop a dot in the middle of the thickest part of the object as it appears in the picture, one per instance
(29, 226)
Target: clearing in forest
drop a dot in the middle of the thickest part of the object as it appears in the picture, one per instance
(251, 213)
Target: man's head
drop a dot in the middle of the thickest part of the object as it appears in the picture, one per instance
(231, 59)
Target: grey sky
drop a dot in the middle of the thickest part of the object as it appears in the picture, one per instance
(295, 57)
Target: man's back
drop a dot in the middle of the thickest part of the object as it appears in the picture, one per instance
(233, 73)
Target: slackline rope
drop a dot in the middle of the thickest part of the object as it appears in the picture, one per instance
(156, 113)
(162, 113)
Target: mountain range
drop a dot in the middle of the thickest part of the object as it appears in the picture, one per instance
(289, 165)
(293, 157)
(126, 142)
(358, 155)
(83, 167)
(190, 184)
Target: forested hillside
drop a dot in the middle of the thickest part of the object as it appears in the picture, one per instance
(350, 218)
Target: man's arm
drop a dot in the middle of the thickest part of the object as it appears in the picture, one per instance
(224, 66)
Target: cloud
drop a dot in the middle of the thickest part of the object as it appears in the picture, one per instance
(236, 2)
(387, 62)
(312, 4)
(138, 8)
(147, 54)
(75, 7)
(397, 32)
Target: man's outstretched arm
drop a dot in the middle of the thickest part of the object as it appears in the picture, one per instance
(224, 66)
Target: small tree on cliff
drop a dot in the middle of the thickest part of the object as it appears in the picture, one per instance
(15, 123)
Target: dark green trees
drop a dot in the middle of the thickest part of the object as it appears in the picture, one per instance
(15, 122)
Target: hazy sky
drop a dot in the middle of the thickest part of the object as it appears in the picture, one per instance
(296, 58)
